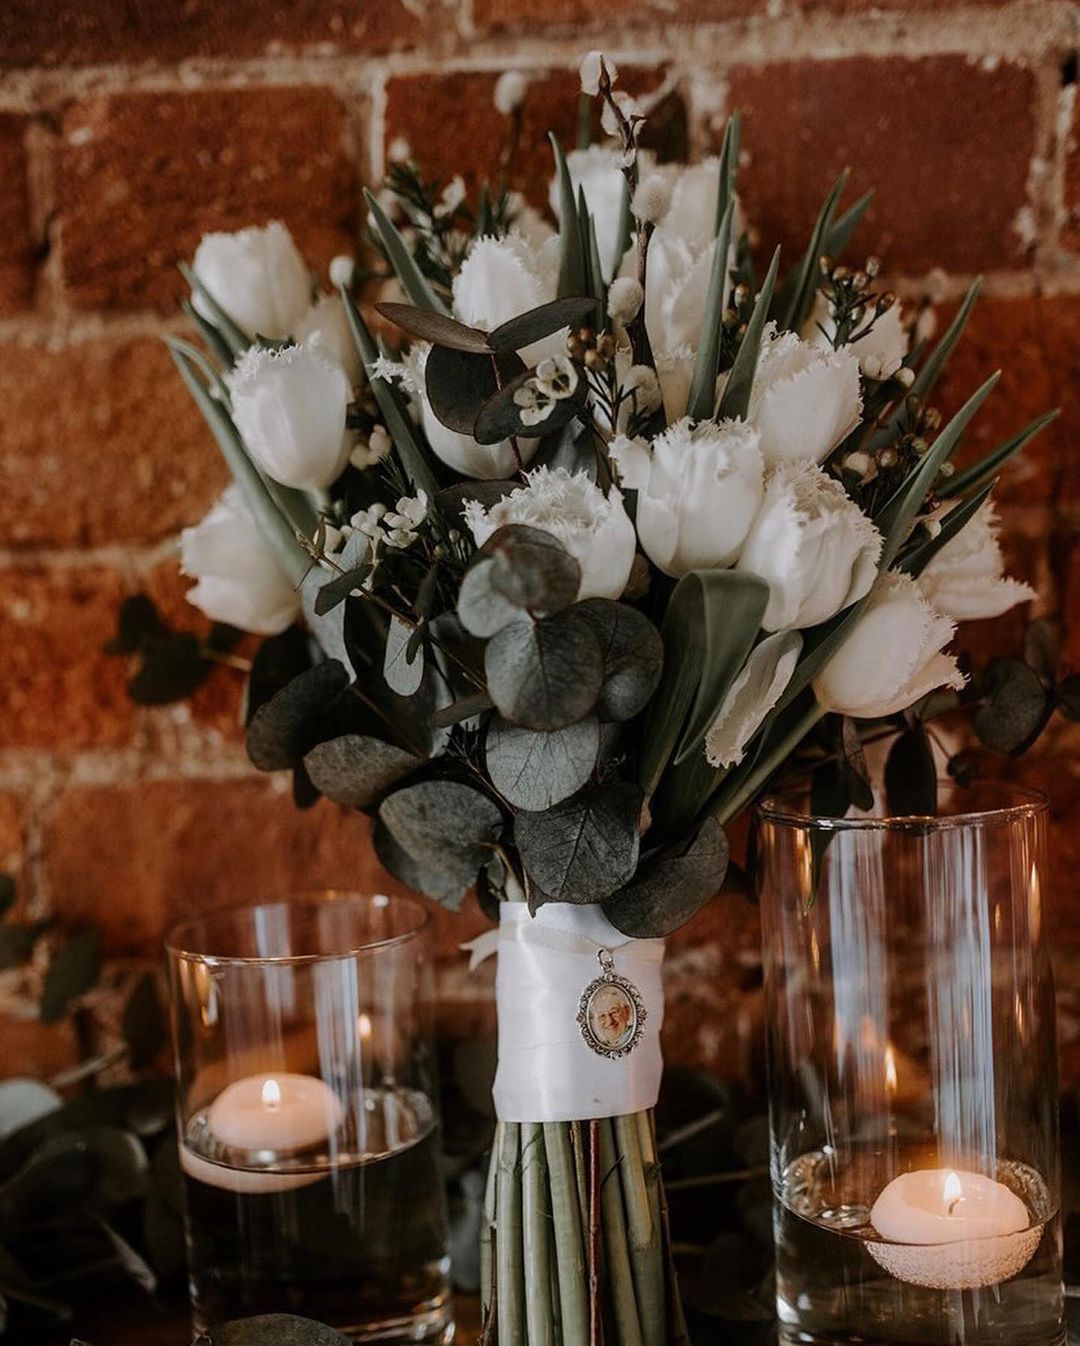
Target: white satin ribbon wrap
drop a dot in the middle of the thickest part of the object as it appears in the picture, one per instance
(546, 1071)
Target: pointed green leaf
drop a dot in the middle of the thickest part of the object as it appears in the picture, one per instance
(729, 167)
(277, 530)
(839, 236)
(735, 401)
(974, 476)
(793, 313)
(412, 279)
(702, 401)
(231, 333)
(916, 561)
(572, 262)
(412, 452)
(209, 334)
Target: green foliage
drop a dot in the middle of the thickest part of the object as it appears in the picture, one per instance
(797, 298)
(584, 848)
(356, 770)
(910, 774)
(172, 664)
(436, 835)
(286, 726)
(633, 655)
(671, 885)
(702, 401)
(74, 970)
(735, 399)
(534, 770)
(1016, 704)
(271, 1329)
(412, 279)
(545, 674)
(501, 418)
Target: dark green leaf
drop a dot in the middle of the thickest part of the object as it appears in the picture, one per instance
(74, 970)
(412, 279)
(974, 476)
(451, 500)
(500, 416)
(465, 708)
(272, 1329)
(919, 557)
(1068, 694)
(573, 268)
(729, 168)
(532, 569)
(171, 671)
(671, 886)
(801, 300)
(277, 736)
(336, 591)
(1016, 706)
(277, 661)
(584, 848)
(458, 385)
(633, 656)
(839, 236)
(1042, 646)
(570, 447)
(570, 311)
(482, 609)
(702, 401)
(545, 674)
(735, 400)
(851, 765)
(356, 770)
(17, 940)
(138, 626)
(143, 1023)
(911, 776)
(445, 829)
(439, 328)
(534, 770)
(209, 334)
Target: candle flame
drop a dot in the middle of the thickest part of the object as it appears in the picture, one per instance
(364, 1024)
(890, 1069)
(952, 1191)
(271, 1094)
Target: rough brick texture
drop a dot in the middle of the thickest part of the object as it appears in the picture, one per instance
(143, 176)
(946, 142)
(16, 243)
(99, 443)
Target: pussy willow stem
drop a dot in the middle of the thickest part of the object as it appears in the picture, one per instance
(535, 1219)
(643, 1238)
(510, 1264)
(624, 1304)
(569, 1246)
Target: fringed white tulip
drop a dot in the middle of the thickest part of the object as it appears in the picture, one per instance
(698, 489)
(504, 277)
(289, 406)
(325, 327)
(257, 276)
(892, 657)
(593, 527)
(880, 351)
(966, 579)
(752, 695)
(812, 544)
(238, 580)
(803, 400)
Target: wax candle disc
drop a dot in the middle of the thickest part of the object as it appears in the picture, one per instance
(967, 1265)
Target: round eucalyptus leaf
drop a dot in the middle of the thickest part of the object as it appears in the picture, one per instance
(436, 835)
(355, 770)
(1016, 706)
(271, 1329)
(278, 732)
(633, 657)
(500, 416)
(23, 1101)
(541, 322)
(584, 848)
(544, 674)
(482, 609)
(533, 770)
(671, 886)
(532, 569)
(458, 384)
(438, 328)
(402, 669)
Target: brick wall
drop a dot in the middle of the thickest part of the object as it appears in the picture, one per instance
(128, 127)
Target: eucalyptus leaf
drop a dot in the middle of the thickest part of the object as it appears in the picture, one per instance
(501, 418)
(1042, 649)
(545, 674)
(464, 708)
(139, 626)
(458, 384)
(336, 591)
(403, 668)
(633, 654)
(735, 399)
(1016, 705)
(23, 1101)
(911, 775)
(142, 1023)
(277, 661)
(537, 323)
(445, 829)
(439, 328)
(277, 736)
(355, 770)
(851, 763)
(172, 670)
(74, 970)
(271, 1329)
(532, 569)
(671, 886)
(584, 848)
(534, 770)
(412, 279)
(482, 609)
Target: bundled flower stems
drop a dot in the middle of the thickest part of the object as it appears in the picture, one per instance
(599, 532)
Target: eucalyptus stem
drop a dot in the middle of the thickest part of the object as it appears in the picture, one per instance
(624, 1304)
(643, 1236)
(510, 1267)
(566, 1224)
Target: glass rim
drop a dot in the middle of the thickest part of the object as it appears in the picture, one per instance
(1018, 801)
(176, 946)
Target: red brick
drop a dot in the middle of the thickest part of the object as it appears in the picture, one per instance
(59, 690)
(142, 176)
(1070, 232)
(517, 16)
(1070, 605)
(30, 1048)
(100, 443)
(1035, 342)
(13, 839)
(49, 32)
(16, 241)
(451, 125)
(945, 141)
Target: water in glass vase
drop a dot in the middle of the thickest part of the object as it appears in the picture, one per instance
(838, 1281)
(351, 1238)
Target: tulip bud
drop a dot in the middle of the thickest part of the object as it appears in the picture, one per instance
(257, 276)
(502, 278)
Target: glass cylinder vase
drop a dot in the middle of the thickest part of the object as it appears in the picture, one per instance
(912, 1073)
(309, 1140)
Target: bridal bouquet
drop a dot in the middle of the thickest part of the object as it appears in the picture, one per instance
(563, 555)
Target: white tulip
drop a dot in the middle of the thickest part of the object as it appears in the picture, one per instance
(257, 276)
(698, 487)
(966, 579)
(812, 544)
(325, 327)
(803, 400)
(504, 277)
(597, 171)
(593, 527)
(289, 406)
(755, 691)
(892, 657)
(694, 193)
(238, 578)
(880, 352)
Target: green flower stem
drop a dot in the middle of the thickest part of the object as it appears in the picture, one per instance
(567, 1227)
(487, 1233)
(643, 1236)
(651, 1167)
(510, 1264)
(536, 1217)
(621, 1281)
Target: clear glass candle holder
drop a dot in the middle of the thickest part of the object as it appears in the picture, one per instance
(912, 1074)
(307, 1113)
